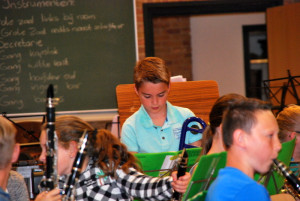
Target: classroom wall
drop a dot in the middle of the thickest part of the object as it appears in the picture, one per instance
(217, 49)
(172, 42)
(140, 20)
(283, 51)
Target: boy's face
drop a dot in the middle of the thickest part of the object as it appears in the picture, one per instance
(153, 97)
(264, 144)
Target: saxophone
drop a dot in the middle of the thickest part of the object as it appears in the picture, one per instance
(292, 183)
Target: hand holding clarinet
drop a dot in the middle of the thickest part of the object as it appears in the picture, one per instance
(181, 177)
(50, 180)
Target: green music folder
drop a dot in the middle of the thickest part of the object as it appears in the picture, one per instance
(204, 173)
(160, 164)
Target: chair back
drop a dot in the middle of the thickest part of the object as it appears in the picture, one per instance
(198, 96)
(206, 171)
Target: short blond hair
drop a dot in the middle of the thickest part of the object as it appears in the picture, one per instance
(7, 141)
(288, 121)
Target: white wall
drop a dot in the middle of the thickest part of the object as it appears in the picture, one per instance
(217, 49)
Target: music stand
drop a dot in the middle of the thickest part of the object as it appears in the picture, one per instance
(31, 133)
(288, 87)
(205, 172)
(152, 163)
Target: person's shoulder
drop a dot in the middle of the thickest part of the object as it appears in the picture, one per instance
(15, 175)
(131, 118)
(186, 112)
(15, 178)
(3, 195)
(261, 192)
(178, 108)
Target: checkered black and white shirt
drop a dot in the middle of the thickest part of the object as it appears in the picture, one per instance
(93, 186)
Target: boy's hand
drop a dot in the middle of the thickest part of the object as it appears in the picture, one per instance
(53, 195)
(180, 185)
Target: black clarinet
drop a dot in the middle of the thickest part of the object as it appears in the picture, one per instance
(76, 170)
(182, 166)
(289, 175)
(50, 179)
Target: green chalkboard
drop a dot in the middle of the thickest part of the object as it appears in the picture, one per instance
(85, 48)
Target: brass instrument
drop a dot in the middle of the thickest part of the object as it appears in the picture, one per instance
(194, 129)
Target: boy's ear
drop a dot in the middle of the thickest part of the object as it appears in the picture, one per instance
(136, 90)
(16, 153)
(239, 138)
(292, 135)
(169, 87)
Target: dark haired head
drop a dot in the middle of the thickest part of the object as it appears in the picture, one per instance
(242, 116)
(215, 117)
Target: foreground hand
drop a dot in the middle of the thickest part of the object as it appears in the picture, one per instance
(180, 185)
(53, 195)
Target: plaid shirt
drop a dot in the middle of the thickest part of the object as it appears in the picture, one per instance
(93, 185)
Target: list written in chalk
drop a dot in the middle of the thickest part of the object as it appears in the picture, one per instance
(84, 48)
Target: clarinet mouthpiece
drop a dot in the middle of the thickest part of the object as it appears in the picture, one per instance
(50, 93)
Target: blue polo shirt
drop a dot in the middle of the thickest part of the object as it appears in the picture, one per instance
(140, 135)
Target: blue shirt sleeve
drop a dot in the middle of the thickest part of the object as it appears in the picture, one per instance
(129, 138)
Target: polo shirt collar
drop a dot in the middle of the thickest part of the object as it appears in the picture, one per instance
(146, 121)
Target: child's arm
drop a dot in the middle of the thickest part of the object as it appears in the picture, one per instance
(142, 186)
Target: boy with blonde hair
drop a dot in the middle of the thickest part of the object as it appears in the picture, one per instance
(9, 153)
(289, 127)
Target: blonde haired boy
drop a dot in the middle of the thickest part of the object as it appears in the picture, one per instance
(9, 152)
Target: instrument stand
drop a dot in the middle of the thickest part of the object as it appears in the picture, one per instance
(31, 133)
